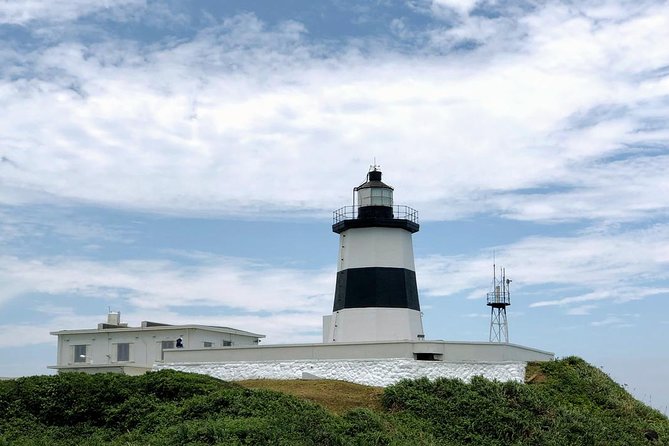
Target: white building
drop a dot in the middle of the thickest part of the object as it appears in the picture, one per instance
(115, 347)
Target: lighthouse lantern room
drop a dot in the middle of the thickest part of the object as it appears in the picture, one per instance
(376, 296)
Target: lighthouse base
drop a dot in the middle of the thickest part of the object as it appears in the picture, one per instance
(373, 324)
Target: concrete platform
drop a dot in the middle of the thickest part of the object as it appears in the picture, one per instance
(446, 351)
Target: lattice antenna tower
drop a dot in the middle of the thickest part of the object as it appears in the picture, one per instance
(498, 299)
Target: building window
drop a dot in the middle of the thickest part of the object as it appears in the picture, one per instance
(428, 356)
(79, 353)
(208, 344)
(365, 197)
(123, 352)
(164, 345)
(227, 343)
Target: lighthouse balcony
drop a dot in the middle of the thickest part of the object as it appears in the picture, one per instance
(396, 216)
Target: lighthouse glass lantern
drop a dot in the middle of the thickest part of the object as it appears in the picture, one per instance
(375, 198)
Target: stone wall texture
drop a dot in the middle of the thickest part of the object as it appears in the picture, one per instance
(377, 372)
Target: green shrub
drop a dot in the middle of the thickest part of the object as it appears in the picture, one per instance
(574, 403)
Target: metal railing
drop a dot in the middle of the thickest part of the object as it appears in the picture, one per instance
(499, 297)
(400, 212)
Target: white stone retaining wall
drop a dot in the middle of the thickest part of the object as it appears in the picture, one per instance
(370, 372)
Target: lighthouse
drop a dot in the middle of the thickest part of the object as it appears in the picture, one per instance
(376, 296)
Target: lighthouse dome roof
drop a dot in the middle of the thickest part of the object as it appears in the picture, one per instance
(374, 180)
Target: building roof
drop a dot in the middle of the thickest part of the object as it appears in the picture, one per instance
(155, 326)
(376, 184)
(374, 180)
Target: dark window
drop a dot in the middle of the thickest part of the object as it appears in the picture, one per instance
(208, 344)
(123, 352)
(427, 356)
(227, 343)
(79, 353)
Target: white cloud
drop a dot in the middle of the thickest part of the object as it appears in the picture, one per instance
(154, 284)
(22, 12)
(609, 267)
(278, 301)
(612, 320)
(629, 190)
(246, 119)
(33, 333)
(461, 6)
(622, 294)
(19, 335)
(618, 266)
(284, 304)
(51, 222)
(581, 310)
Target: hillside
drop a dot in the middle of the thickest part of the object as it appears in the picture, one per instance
(565, 402)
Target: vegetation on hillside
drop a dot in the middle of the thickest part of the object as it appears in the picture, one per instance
(566, 402)
(336, 396)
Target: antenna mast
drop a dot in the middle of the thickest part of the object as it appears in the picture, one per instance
(498, 300)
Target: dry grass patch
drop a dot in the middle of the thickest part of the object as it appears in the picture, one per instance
(336, 396)
(534, 374)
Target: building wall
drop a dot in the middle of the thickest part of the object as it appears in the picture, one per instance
(367, 247)
(440, 350)
(372, 324)
(369, 363)
(379, 372)
(145, 345)
(376, 297)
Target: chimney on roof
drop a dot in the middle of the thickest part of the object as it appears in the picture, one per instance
(114, 318)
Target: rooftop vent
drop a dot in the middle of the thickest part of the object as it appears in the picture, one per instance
(114, 318)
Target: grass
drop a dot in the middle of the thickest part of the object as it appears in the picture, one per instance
(338, 397)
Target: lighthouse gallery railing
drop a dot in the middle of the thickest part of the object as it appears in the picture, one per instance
(400, 212)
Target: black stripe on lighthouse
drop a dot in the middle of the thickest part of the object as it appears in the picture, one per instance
(376, 287)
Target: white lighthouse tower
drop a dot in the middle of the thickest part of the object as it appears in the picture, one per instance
(376, 297)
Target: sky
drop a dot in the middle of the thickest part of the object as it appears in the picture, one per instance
(180, 161)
